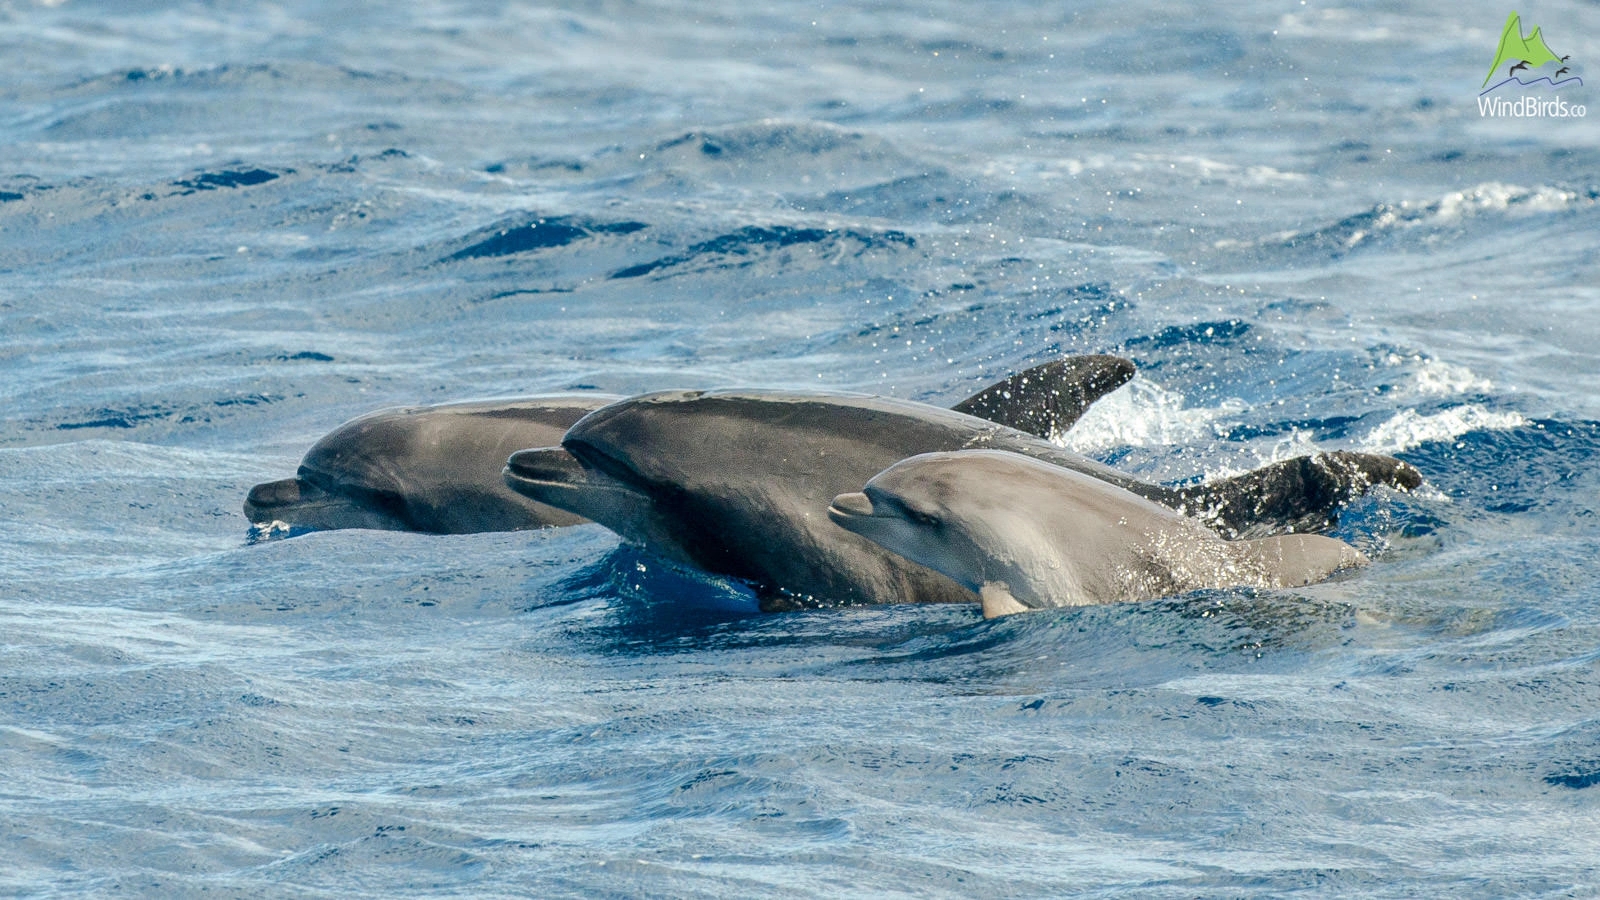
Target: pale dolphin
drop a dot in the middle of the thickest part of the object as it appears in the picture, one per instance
(1026, 534)
(738, 483)
(437, 468)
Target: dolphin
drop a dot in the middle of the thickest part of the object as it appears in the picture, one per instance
(1024, 534)
(738, 483)
(437, 468)
(423, 468)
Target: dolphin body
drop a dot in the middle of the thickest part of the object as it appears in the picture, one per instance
(1025, 534)
(437, 468)
(739, 483)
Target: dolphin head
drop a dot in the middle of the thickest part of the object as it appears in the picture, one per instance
(350, 478)
(554, 476)
(302, 503)
(596, 487)
(621, 466)
(428, 468)
(973, 515)
(883, 517)
(915, 508)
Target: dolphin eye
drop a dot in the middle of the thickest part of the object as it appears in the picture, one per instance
(921, 518)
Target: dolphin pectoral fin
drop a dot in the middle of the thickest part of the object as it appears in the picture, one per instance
(1293, 560)
(1300, 495)
(1047, 399)
(997, 600)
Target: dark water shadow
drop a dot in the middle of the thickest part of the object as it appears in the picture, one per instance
(653, 605)
(1117, 645)
(645, 605)
(649, 607)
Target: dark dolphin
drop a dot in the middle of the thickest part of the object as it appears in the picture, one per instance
(738, 483)
(437, 468)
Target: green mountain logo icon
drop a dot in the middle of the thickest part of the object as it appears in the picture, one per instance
(1515, 49)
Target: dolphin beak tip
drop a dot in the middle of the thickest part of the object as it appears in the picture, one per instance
(542, 465)
(850, 506)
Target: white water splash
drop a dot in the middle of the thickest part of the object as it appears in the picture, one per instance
(1441, 379)
(1143, 414)
(1496, 197)
(1409, 428)
(1488, 198)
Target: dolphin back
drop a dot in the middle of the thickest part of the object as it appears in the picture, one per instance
(1294, 560)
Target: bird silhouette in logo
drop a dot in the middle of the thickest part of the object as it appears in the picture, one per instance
(1519, 53)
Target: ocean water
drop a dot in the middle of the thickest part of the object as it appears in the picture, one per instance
(225, 228)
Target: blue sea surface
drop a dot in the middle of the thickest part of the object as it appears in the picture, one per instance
(225, 228)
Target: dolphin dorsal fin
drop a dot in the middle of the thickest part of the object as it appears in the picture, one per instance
(1047, 399)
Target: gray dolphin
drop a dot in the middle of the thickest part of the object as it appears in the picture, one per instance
(437, 468)
(739, 482)
(425, 468)
(1025, 534)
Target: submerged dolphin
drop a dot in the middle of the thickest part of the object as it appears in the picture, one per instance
(1025, 534)
(738, 483)
(437, 468)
